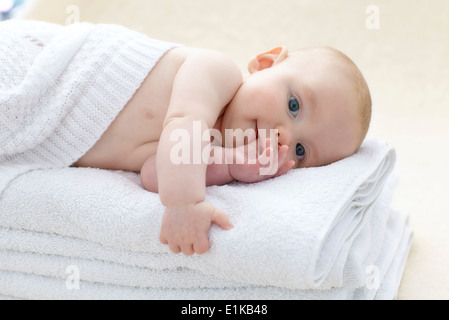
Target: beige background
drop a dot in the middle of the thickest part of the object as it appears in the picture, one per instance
(405, 61)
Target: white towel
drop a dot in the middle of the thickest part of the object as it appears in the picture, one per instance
(31, 286)
(316, 228)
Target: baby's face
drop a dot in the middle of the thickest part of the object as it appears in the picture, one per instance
(310, 100)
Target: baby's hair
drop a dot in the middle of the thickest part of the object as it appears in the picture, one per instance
(361, 88)
(359, 81)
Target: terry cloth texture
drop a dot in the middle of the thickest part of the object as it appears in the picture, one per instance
(313, 233)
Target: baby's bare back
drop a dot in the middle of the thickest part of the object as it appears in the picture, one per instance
(133, 136)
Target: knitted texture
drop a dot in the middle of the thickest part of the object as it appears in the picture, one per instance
(61, 87)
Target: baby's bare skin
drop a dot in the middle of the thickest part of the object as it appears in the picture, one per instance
(132, 141)
(308, 100)
(134, 135)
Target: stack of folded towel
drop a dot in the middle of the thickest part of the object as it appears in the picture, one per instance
(315, 233)
(325, 232)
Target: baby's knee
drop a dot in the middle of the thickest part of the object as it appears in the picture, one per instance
(148, 175)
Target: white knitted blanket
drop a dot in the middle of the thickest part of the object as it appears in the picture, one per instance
(61, 87)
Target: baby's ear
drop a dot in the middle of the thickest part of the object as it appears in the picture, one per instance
(267, 59)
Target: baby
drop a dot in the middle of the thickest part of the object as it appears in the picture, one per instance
(300, 109)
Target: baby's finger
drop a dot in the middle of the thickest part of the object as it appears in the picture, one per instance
(263, 145)
(221, 219)
(201, 245)
(268, 151)
(283, 150)
(279, 160)
(174, 248)
(285, 168)
(264, 158)
(270, 143)
(187, 249)
(162, 239)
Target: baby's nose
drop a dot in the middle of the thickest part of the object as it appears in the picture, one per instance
(283, 136)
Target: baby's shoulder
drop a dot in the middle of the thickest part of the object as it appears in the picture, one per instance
(178, 55)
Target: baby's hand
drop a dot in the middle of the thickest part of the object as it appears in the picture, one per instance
(267, 163)
(184, 228)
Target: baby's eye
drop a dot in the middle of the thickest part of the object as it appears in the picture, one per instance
(293, 106)
(300, 151)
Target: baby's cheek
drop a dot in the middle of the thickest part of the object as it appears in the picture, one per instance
(270, 99)
(262, 94)
(292, 157)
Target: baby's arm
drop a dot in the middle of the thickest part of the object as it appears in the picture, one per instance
(204, 84)
(223, 173)
(216, 174)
